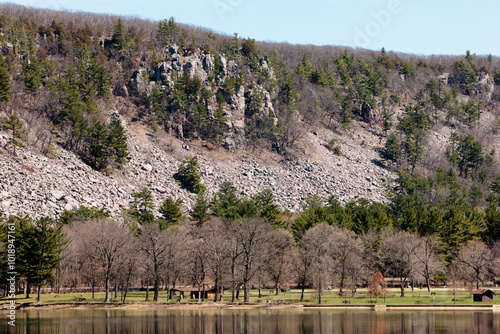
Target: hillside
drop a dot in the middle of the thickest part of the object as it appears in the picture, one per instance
(298, 120)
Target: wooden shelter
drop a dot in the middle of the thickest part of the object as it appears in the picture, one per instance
(483, 295)
(208, 292)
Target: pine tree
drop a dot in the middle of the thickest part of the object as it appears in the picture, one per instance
(16, 126)
(414, 126)
(117, 141)
(118, 38)
(188, 175)
(167, 30)
(4, 82)
(39, 246)
(225, 202)
(304, 69)
(171, 212)
(266, 207)
(200, 117)
(141, 207)
(33, 71)
(467, 153)
(98, 150)
(200, 212)
(392, 151)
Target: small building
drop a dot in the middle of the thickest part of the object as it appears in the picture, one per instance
(483, 295)
(395, 282)
(192, 292)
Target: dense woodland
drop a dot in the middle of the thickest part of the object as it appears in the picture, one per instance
(61, 73)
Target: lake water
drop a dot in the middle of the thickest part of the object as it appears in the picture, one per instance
(291, 321)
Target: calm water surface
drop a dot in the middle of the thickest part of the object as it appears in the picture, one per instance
(292, 321)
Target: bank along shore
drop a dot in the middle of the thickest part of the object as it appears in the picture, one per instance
(223, 306)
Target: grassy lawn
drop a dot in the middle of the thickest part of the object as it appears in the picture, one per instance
(417, 297)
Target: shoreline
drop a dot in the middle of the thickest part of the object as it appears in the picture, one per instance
(160, 306)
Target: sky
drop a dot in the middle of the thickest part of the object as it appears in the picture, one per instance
(421, 27)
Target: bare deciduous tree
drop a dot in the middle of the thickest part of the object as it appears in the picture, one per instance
(347, 255)
(215, 243)
(280, 255)
(399, 255)
(103, 242)
(251, 234)
(428, 263)
(315, 250)
(474, 258)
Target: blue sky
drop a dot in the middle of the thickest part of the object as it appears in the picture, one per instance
(420, 27)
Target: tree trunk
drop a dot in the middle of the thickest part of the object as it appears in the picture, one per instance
(93, 290)
(428, 282)
(342, 278)
(157, 289)
(199, 293)
(27, 289)
(216, 289)
(402, 290)
(106, 287)
(277, 287)
(116, 290)
(126, 290)
(320, 292)
(246, 298)
(302, 293)
(147, 289)
(38, 294)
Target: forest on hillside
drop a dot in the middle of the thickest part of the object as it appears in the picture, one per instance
(62, 74)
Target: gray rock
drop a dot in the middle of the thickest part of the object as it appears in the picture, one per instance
(57, 194)
(208, 63)
(147, 167)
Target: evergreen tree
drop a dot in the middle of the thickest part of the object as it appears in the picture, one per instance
(200, 212)
(4, 82)
(466, 153)
(392, 150)
(188, 175)
(119, 35)
(304, 69)
(225, 202)
(266, 207)
(171, 212)
(33, 72)
(39, 245)
(414, 126)
(141, 207)
(200, 114)
(98, 150)
(167, 30)
(117, 141)
(82, 214)
(16, 126)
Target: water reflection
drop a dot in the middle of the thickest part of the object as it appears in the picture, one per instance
(295, 321)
